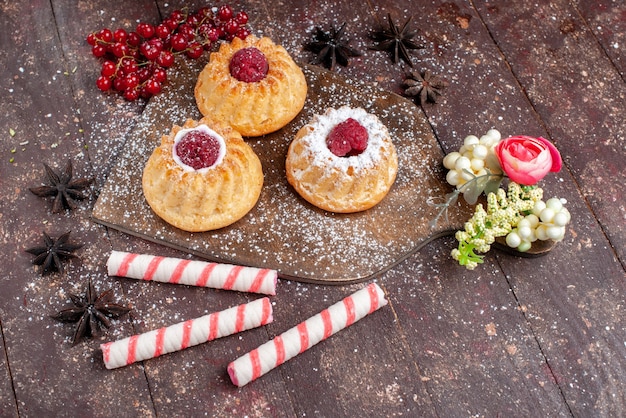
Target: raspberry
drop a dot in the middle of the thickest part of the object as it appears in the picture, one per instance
(347, 138)
(198, 149)
(249, 65)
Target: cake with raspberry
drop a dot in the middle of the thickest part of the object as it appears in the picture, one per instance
(202, 177)
(342, 161)
(252, 84)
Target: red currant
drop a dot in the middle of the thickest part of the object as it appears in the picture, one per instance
(135, 62)
(193, 20)
(91, 39)
(171, 24)
(132, 81)
(157, 43)
(187, 31)
(241, 18)
(119, 84)
(143, 73)
(212, 34)
(120, 35)
(108, 68)
(163, 31)
(242, 33)
(105, 35)
(149, 50)
(195, 50)
(205, 12)
(153, 87)
(131, 94)
(144, 93)
(145, 30)
(224, 13)
(159, 75)
(129, 65)
(231, 27)
(179, 42)
(133, 53)
(98, 50)
(134, 39)
(221, 33)
(119, 49)
(165, 59)
(104, 83)
(177, 16)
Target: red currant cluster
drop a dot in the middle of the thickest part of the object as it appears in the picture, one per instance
(135, 63)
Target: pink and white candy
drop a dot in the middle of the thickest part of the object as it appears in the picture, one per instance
(303, 336)
(186, 334)
(192, 272)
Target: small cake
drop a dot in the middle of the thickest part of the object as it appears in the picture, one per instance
(342, 161)
(252, 84)
(202, 177)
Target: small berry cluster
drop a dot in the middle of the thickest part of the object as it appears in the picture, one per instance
(135, 63)
(547, 221)
(475, 158)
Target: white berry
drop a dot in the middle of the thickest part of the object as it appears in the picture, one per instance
(541, 232)
(450, 159)
(554, 204)
(470, 140)
(560, 219)
(525, 232)
(513, 239)
(477, 164)
(462, 163)
(555, 232)
(453, 177)
(546, 215)
(539, 206)
(480, 151)
(495, 134)
(524, 246)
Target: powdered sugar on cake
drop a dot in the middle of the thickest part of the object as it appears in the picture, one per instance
(321, 125)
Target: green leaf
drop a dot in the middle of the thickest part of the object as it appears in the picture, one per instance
(474, 188)
(493, 184)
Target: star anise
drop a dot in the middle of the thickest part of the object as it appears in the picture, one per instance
(396, 40)
(65, 190)
(51, 254)
(330, 48)
(91, 312)
(425, 86)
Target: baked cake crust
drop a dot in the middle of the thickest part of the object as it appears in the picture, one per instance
(252, 108)
(206, 199)
(341, 184)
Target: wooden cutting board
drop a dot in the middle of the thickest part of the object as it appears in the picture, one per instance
(283, 231)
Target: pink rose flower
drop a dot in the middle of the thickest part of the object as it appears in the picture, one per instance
(527, 160)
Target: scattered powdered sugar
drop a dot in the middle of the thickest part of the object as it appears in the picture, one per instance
(283, 231)
(320, 155)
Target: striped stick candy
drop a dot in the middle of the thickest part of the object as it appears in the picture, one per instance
(186, 334)
(192, 272)
(294, 341)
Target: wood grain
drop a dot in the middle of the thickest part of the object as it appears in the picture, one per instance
(520, 337)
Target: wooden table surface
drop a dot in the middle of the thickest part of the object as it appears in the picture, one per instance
(515, 337)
